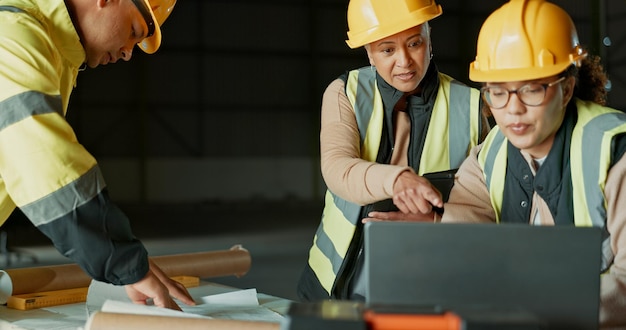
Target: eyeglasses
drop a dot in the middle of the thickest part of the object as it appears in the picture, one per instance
(530, 94)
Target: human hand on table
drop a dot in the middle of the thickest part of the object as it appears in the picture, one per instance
(156, 285)
(414, 194)
(400, 216)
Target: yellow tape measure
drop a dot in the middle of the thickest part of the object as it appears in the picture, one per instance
(35, 300)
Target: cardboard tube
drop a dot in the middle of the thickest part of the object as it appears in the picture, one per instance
(46, 278)
(110, 321)
(235, 261)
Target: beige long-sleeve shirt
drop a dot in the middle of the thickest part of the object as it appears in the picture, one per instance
(469, 202)
(344, 171)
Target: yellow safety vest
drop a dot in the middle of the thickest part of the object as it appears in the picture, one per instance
(590, 149)
(452, 132)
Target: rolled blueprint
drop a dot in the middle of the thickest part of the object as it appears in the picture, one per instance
(235, 261)
(110, 321)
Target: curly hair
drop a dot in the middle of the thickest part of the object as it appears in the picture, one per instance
(591, 80)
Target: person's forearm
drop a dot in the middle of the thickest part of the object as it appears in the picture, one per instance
(469, 199)
(344, 171)
(97, 236)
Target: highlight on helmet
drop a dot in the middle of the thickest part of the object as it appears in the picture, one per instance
(525, 40)
(155, 12)
(371, 20)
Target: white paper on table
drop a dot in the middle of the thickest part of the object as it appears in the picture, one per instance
(53, 324)
(237, 304)
(247, 297)
(123, 307)
(62, 317)
(99, 292)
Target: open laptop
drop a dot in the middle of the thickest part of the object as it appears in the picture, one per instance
(549, 274)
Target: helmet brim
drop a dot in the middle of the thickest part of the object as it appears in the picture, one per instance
(151, 44)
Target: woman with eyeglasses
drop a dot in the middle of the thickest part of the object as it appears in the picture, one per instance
(556, 155)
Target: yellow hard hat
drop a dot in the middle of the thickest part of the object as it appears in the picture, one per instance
(155, 12)
(371, 20)
(525, 40)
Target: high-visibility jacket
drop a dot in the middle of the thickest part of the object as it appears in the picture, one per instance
(590, 155)
(44, 171)
(453, 130)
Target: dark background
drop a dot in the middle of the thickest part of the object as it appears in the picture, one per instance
(228, 109)
(225, 116)
(217, 133)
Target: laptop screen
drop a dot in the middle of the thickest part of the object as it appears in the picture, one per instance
(551, 273)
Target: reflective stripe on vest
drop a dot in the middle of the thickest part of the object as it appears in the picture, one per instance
(590, 154)
(494, 151)
(454, 123)
(11, 9)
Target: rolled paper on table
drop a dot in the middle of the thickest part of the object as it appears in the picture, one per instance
(235, 261)
(109, 321)
(40, 279)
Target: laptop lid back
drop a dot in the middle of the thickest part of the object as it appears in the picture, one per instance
(552, 273)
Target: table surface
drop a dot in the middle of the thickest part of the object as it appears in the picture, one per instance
(74, 316)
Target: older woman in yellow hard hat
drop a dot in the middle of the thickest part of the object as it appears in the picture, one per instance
(44, 171)
(556, 155)
(383, 127)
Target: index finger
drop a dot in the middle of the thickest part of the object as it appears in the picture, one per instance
(166, 302)
(433, 196)
(179, 292)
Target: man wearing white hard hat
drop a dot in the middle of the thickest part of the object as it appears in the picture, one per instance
(44, 171)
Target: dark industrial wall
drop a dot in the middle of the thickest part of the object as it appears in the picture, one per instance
(228, 109)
